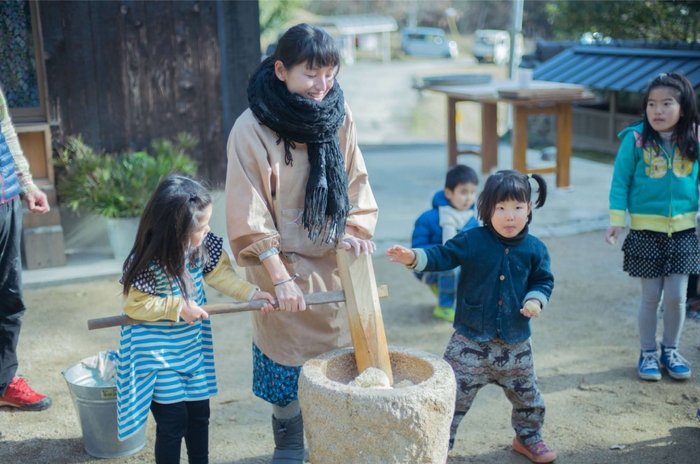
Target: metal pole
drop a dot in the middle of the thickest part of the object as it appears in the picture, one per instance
(413, 14)
(516, 28)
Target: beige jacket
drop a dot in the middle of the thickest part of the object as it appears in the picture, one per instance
(264, 203)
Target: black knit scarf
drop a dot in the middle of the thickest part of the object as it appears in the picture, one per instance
(298, 119)
(513, 241)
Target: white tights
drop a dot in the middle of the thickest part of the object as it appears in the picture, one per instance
(673, 288)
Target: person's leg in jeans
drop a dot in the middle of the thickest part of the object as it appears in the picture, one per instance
(171, 428)
(11, 304)
(197, 436)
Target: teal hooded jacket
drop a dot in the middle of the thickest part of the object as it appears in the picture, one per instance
(658, 189)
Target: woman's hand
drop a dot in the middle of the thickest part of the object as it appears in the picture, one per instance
(289, 297)
(361, 246)
(532, 308)
(192, 312)
(267, 307)
(612, 234)
(399, 254)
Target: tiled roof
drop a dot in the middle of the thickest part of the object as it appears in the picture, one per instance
(619, 68)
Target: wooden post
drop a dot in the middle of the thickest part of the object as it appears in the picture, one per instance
(519, 138)
(489, 137)
(563, 143)
(364, 312)
(452, 143)
(612, 133)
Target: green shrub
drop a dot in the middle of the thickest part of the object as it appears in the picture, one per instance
(119, 185)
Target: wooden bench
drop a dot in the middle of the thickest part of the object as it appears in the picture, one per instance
(538, 97)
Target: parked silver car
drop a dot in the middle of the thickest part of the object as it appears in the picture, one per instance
(427, 41)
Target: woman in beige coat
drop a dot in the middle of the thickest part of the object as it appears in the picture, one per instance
(296, 189)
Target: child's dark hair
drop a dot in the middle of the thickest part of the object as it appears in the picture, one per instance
(305, 43)
(460, 174)
(509, 185)
(686, 129)
(169, 219)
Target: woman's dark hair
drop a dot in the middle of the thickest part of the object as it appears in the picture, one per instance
(304, 43)
(509, 185)
(169, 219)
(460, 174)
(686, 130)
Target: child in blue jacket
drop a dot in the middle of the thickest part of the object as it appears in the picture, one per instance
(505, 280)
(453, 211)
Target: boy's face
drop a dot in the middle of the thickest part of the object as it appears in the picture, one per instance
(462, 196)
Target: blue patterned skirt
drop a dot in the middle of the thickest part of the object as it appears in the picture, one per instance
(272, 382)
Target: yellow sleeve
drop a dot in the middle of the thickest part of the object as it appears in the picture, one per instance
(146, 307)
(617, 218)
(225, 279)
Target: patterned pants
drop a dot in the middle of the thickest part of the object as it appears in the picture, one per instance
(511, 367)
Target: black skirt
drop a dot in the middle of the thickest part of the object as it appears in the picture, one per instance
(654, 254)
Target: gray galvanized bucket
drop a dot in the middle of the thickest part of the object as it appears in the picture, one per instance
(95, 402)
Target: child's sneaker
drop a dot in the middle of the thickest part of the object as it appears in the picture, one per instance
(446, 314)
(20, 395)
(648, 368)
(675, 364)
(537, 452)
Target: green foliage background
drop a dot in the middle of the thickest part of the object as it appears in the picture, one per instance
(673, 20)
(119, 185)
(628, 19)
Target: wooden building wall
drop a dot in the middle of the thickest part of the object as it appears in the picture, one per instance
(123, 73)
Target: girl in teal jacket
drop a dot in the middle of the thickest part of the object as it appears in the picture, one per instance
(656, 181)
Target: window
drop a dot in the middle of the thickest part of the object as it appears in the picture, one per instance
(21, 61)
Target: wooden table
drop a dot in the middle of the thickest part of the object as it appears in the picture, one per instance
(536, 97)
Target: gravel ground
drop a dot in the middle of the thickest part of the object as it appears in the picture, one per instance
(585, 347)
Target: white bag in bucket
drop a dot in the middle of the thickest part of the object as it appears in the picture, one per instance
(92, 384)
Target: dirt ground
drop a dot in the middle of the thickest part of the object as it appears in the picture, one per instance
(585, 352)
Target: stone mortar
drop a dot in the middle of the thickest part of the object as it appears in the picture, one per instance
(351, 425)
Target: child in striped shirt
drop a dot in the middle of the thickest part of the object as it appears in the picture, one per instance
(167, 363)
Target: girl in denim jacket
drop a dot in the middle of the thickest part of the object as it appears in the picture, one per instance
(505, 280)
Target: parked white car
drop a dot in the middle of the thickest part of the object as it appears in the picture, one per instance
(494, 45)
(427, 41)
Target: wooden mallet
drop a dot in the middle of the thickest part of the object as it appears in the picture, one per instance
(364, 313)
(361, 296)
(225, 308)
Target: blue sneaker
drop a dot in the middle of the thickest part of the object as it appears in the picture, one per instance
(675, 364)
(649, 366)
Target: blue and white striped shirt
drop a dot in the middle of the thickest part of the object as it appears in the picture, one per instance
(165, 362)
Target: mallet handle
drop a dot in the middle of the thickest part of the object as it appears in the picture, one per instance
(224, 308)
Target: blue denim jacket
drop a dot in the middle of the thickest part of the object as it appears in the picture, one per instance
(494, 283)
